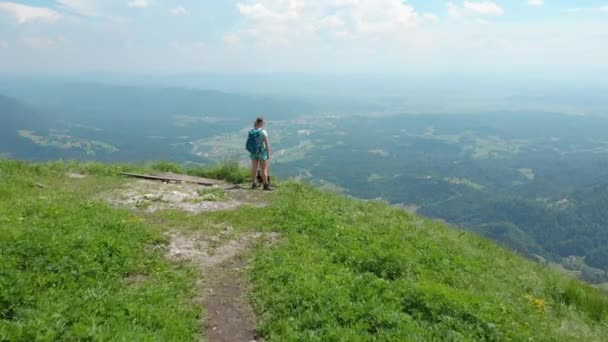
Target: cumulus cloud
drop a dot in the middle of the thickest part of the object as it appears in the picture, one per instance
(482, 8)
(384, 16)
(179, 11)
(537, 3)
(138, 4)
(282, 20)
(271, 10)
(26, 14)
(472, 8)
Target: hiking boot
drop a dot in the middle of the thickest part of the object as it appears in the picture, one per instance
(254, 186)
(267, 187)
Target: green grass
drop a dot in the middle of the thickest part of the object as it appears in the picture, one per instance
(76, 269)
(213, 195)
(344, 270)
(227, 169)
(361, 271)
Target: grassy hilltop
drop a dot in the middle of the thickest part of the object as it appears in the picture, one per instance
(76, 268)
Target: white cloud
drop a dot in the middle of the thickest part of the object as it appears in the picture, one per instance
(343, 3)
(537, 3)
(231, 39)
(482, 8)
(472, 8)
(604, 9)
(26, 14)
(89, 8)
(179, 11)
(276, 10)
(384, 16)
(281, 21)
(138, 4)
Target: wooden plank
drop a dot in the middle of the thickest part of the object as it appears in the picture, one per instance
(171, 179)
(234, 187)
(188, 178)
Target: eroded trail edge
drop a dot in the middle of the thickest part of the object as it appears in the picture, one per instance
(228, 314)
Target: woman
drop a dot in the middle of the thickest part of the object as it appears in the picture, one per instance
(260, 155)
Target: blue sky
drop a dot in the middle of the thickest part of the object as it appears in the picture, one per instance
(304, 36)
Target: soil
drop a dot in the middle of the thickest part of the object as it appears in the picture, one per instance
(228, 314)
(229, 317)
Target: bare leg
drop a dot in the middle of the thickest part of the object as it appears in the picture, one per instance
(254, 170)
(264, 164)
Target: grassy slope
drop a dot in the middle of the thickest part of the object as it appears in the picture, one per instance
(359, 270)
(344, 270)
(76, 269)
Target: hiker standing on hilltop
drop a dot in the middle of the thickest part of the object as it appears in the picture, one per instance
(259, 151)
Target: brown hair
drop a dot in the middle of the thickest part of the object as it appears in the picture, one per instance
(258, 122)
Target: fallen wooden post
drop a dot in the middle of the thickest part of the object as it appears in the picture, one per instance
(185, 179)
(234, 187)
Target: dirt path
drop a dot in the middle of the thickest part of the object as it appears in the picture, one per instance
(229, 317)
(221, 258)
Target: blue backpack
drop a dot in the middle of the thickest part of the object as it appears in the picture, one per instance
(254, 141)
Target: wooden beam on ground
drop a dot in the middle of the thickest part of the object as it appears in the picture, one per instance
(194, 180)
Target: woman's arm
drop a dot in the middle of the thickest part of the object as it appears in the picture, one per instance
(267, 145)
